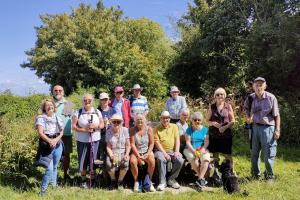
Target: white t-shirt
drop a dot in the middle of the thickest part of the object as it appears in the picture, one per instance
(83, 122)
(52, 125)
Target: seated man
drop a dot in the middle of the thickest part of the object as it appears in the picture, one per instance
(167, 142)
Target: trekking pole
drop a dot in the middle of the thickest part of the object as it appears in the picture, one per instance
(91, 153)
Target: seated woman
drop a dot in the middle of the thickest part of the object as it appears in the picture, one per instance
(197, 141)
(142, 142)
(50, 130)
(118, 149)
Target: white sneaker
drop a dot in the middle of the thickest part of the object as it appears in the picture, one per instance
(136, 186)
(161, 187)
(173, 184)
(152, 189)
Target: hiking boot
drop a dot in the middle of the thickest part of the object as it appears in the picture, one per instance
(136, 186)
(112, 185)
(201, 183)
(173, 184)
(161, 187)
(120, 185)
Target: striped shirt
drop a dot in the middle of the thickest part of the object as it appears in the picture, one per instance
(138, 105)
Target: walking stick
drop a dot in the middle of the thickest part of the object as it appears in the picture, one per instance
(91, 153)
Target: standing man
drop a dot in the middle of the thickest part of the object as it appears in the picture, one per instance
(169, 159)
(138, 103)
(121, 105)
(264, 114)
(64, 112)
(174, 104)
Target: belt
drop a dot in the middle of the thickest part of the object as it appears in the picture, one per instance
(259, 124)
(52, 136)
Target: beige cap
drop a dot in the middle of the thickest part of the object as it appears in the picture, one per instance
(116, 117)
(103, 95)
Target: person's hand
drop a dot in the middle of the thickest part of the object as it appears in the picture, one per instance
(167, 156)
(216, 124)
(276, 134)
(140, 162)
(249, 120)
(222, 129)
(105, 120)
(52, 143)
(145, 156)
(93, 126)
(177, 154)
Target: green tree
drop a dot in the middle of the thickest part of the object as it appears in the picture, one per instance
(212, 52)
(99, 47)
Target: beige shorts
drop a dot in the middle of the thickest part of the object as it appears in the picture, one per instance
(190, 156)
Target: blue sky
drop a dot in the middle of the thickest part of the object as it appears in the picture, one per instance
(18, 18)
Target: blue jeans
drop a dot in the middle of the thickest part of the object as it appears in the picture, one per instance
(51, 171)
(264, 142)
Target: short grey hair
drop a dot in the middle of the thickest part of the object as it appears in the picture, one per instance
(197, 115)
(184, 110)
(88, 95)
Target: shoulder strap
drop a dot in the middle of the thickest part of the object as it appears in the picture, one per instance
(130, 98)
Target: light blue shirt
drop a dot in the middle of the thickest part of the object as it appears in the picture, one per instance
(65, 114)
(197, 136)
(174, 106)
(117, 106)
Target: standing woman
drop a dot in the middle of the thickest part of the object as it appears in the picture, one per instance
(50, 130)
(220, 120)
(118, 149)
(142, 143)
(87, 122)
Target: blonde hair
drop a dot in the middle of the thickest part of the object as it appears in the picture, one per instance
(220, 90)
(43, 105)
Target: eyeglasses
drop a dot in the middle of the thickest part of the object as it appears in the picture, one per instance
(87, 100)
(175, 92)
(219, 94)
(165, 117)
(118, 92)
(116, 122)
(58, 90)
(197, 120)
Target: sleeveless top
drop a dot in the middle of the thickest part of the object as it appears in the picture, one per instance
(141, 141)
(222, 117)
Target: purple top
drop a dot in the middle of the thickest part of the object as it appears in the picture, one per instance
(221, 117)
(263, 110)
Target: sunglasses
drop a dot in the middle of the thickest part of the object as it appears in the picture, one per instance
(116, 122)
(219, 94)
(57, 90)
(87, 100)
(165, 117)
(118, 92)
(175, 92)
(197, 120)
(103, 99)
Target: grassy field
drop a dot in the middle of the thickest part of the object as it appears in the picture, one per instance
(286, 186)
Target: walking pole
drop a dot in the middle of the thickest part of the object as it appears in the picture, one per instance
(91, 153)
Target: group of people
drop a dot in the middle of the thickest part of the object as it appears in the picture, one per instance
(117, 135)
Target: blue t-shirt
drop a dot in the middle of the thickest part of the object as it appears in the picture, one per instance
(197, 136)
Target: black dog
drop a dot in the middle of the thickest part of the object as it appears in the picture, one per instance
(229, 179)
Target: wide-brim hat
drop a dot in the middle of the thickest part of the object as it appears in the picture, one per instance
(174, 89)
(116, 117)
(137, 87)
(165, 114)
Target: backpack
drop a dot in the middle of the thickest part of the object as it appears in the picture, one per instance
(80, 113)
